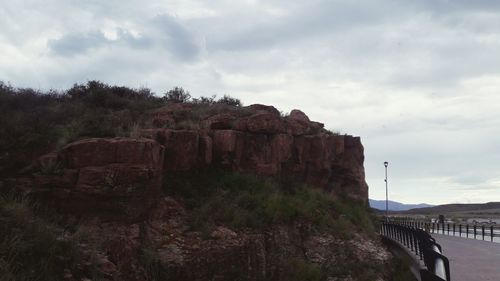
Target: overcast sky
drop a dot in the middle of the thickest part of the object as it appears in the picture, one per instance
(418, 80)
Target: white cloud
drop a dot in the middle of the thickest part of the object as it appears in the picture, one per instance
(417, 80)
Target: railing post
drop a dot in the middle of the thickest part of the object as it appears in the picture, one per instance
(448, 226)
(467, 230)
(420, 242)
(453, 229)
(475, 231)
(482, 229)
(491, 231)
(460, 230)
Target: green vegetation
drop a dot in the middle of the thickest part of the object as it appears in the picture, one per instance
(33, 245)
(34, 122)
(155, 269)
(301, 270)
(33, 248)
(402, 270)
(245, 201)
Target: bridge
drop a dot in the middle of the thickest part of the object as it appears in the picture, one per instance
(446, 255)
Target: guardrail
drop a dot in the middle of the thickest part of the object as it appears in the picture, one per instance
(477, 231)
(423, 245)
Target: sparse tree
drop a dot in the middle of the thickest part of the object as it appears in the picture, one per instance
(226, 99)
(177, 95)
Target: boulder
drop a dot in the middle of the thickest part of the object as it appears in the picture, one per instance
(260, 108)
(296, 127)
(265, 123)
(228, 148)
(117, 178)
(181, 147)
(181, 150)
(223, 121)
(299, 115)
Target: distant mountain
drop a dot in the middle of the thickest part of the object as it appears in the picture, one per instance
(462, 208)
(396, 206)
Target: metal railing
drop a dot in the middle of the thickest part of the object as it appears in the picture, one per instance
(423, 245)
(476, 231)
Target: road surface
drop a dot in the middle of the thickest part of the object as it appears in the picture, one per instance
(470, 259)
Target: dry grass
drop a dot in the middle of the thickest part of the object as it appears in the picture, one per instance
(33, 248)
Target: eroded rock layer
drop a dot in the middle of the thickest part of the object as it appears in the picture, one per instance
(116, 182)
(117, 178)
(260, 141)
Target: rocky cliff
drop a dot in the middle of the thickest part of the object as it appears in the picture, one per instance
(258, 140)
(253, 140)
(114, 185)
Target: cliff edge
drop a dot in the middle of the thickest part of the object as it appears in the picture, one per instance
(193, 191)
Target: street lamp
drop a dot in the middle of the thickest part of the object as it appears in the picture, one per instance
(386, 193)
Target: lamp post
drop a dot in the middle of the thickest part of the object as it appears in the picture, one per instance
(386, 193)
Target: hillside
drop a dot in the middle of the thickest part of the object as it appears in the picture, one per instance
(108, 183)
(395, 206)
(457, 208)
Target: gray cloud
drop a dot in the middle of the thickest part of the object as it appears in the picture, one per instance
(163, 31)
(71, 44)
(176, 37)
(81, 43)
(417, 80)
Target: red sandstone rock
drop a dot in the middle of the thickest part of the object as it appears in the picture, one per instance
(223, 233)
(63, 179)
(181, 147)
(163, 120)
(317, 125)
(228, 147)
(224, 121)
(181, 150)
(99, 152)
(206, 149)
(260, 108)
(116, 178)
(299, 115)
(296, 127)
(138, 152)
(291, 149)
(266, 123)
(281, 145)
(89, 152)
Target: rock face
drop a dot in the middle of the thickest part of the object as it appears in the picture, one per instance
(117, 183)
(116, 178)
(254, 139)
(258, 140)
(226, 254)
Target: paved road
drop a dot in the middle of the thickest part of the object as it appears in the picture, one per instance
(470, 259)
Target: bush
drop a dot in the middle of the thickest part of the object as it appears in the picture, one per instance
(401, 269)
(242, 201)
(154, 268)
(204, 100)
(229, 101)
(301, 270)
(32, 248)
(177, 95)
(32, 123)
